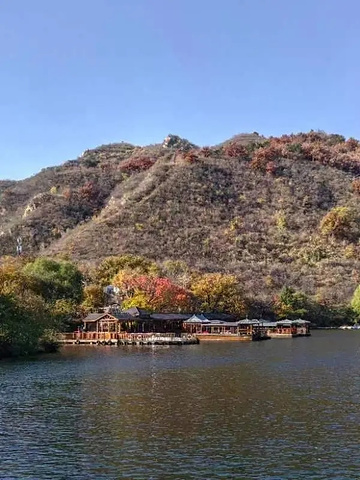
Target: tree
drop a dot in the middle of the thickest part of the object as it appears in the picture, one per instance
(178, 272)
(291, 304)
(56, 279)
(355, 301)
(23, 321)
(94, 297)
(152, 293)
(13, 280)
(218, 292)
(110, 266)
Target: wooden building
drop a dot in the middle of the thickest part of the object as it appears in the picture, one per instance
(134, 320)
(247, 329)
(287, 328)
(206, 329)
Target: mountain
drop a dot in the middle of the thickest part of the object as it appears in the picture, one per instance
(274, 211)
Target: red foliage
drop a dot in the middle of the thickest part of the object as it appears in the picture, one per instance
(263, 155)
(356, 186)
(205, 152)
(352, 144)
(317, 152)
(88, 192)
(270, 168)
(139, 164)
(160, 293)
(67, 193)
(190, 156)
(235, 150)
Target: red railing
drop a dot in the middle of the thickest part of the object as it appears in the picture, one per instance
(106, 336)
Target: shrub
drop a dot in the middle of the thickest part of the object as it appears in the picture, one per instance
(270, 168)
(337, 222)
(352, 144)
(263, 155)
(235, 150)
(190, 156)
(205, 152)
(356, 186)
(134, 165)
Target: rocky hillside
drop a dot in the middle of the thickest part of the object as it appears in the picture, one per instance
(278, 211)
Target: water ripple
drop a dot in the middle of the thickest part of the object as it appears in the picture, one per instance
(283, 409)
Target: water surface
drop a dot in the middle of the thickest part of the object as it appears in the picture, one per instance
(280, 409)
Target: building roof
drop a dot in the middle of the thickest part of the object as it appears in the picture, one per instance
(248, 321)
(170, 316)
(222, 323)
(269, 324)
(198, 319)
(299, 321)
(138, 312)
(219, 316)
(94, 317)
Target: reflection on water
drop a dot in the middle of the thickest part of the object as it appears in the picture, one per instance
(282, 409)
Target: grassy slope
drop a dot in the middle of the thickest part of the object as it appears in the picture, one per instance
(215, 214)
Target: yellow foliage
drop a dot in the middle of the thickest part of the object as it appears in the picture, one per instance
(337, 222)
(93, 297)
(349, 251)
(280, 219)
(218, 292)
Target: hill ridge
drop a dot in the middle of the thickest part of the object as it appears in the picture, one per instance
(252, 206)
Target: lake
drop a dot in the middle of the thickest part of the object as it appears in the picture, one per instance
(279, 409)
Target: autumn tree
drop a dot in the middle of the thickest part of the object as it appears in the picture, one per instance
(218, 292)
(13, 281)
(152, 293)
(94, 297)
(178, 271)
(110, 266)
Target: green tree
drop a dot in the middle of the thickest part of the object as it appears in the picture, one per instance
(355, 301)
(291, 304)
(56, 279)
(23, 322)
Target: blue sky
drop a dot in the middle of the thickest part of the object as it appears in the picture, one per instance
(79, 73)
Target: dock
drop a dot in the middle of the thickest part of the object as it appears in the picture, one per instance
(117, 339)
